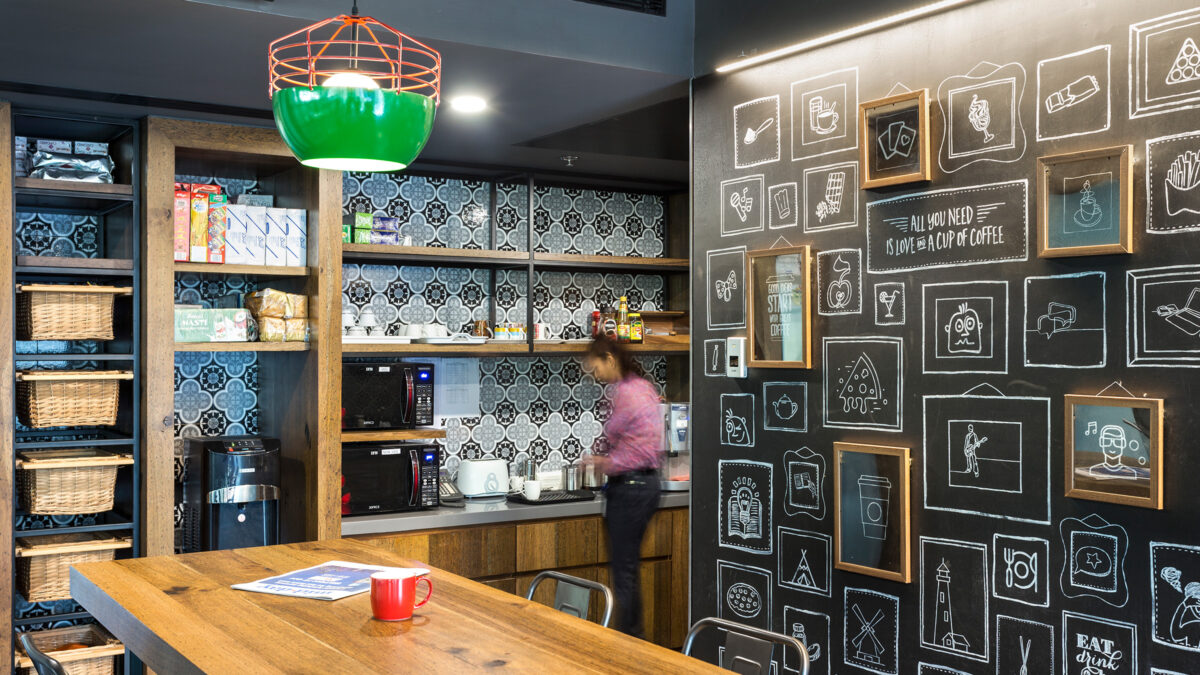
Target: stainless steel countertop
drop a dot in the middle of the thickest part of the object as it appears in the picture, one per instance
(483, 513)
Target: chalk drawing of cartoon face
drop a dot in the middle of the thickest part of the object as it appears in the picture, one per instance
(964, 332)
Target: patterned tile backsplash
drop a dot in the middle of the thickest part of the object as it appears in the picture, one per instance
(57, 234)
(547, 409)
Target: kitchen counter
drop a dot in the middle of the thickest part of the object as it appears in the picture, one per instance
(478, 512)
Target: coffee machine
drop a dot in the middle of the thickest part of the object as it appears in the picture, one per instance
(236, 490)
(677, 443)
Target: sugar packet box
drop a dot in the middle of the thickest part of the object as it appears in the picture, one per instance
(235, 235)
(297, 237)
(256, 235)
(276, 237)
(386, 224)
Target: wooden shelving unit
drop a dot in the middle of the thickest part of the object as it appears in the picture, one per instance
(434, 256)
(299, 383)
(243, 270)
(115, 208)
(610, 263)
(514, 347)
(394, 435)
(241, 346)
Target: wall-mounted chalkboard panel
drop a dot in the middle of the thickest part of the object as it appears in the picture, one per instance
(939, 329)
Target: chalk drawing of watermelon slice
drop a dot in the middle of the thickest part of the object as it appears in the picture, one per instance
(860, 387)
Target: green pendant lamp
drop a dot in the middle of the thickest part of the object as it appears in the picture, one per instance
(353, 94)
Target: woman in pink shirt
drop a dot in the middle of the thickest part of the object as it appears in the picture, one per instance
(633, 435)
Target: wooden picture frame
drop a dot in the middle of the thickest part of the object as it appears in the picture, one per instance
(1078, 218)
(881, 478)
(1114, 449)
(894, 140)
(786, 307)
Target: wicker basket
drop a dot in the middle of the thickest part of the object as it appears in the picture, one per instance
(99, 658)
(66, 398)
(66, 312)
(44, 563)
(68, 481)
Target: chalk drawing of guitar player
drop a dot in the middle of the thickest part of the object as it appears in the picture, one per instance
(970, 444)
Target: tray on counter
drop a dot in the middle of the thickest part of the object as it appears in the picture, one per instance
(554, 497)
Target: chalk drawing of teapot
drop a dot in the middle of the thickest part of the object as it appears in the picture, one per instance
(785, 407)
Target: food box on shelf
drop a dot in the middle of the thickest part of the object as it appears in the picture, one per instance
(256, 235)
(183, 225)
(296, 243)
(276, 247)
(216, 228)
(211, 325)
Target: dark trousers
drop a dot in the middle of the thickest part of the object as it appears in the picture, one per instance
(632, 500)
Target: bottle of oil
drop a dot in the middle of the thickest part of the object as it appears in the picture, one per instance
(623, 320)
(636, 328)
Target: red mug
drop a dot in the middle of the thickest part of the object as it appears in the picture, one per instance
(394, 593)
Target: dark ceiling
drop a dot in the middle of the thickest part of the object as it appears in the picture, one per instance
(562, 77)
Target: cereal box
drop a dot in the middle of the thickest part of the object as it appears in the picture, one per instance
(183, 225)
(199, 227)
(216, 228)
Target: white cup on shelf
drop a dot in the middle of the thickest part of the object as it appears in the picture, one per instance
(532, 490)
(435, 330)
(414, 330)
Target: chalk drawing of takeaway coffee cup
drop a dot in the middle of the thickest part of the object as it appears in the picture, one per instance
(874, 498)
(785, 407)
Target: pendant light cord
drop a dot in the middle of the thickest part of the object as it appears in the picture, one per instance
(354, 13)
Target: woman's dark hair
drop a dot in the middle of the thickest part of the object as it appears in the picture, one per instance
(603, 346)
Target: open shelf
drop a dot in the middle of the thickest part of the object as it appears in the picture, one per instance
(244, 270)
(99, 438)
(101, 527)
(672, 344)
(50, 618)
(610, 263)
(393, 435)
(515, 347)
(241, 346)
(65, 195)
(53, 265)
(29, 358)
(433, 256)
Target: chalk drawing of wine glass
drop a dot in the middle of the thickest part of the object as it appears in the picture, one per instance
(840, 290)
(742, 202)
(979, 113)
(725, 287)
(822, 115)
(889, 301)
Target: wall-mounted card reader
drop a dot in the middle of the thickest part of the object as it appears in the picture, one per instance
(735, 357)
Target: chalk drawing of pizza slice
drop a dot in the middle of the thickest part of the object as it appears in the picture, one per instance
(860, 387)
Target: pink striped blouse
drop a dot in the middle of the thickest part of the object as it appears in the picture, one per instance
(634, 430)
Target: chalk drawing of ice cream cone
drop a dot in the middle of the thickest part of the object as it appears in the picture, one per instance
(980, 115)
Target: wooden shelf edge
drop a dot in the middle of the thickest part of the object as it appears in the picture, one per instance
(247, 270)
(420, 253)
(98, 189)
(351, 436)
(608, 260)
(241, 346)
(80, 263)
(518, 347)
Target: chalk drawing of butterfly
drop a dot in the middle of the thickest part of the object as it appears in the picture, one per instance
(726, 287)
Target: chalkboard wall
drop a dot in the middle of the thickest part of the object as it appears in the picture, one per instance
(934, 294)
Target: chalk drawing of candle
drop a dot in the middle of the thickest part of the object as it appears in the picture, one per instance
(980, 115)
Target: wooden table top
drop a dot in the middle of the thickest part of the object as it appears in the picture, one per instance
(179, 615)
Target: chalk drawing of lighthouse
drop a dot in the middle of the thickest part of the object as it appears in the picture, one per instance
(943, 622)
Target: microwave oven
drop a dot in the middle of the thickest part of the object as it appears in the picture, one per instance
(389, 477)
(393, 395)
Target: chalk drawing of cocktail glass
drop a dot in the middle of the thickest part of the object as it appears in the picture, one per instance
(980, 115)
(874, 498)
(889, 300)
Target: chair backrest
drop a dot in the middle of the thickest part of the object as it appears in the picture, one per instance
(573, 595)
(44, 665)
(747, 649)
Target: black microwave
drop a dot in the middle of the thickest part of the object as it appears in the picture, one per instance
(394, 395)
(389, 477)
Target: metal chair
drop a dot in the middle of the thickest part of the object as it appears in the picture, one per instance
(572, 595)
(747, 649)
(44, 665)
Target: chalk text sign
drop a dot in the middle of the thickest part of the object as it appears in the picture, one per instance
(973, 225)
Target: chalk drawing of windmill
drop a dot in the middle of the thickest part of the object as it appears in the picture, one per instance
(943, 621)
(866, 643)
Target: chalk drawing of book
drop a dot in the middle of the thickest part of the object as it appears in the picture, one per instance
(745, 515)
(1186, 319)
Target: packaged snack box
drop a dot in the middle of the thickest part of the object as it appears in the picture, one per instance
(276, 250)
(216, 228)
(256, 235)
(297, 237)
(183, 225)
(211, 325)
(199, 227)
(235, 235)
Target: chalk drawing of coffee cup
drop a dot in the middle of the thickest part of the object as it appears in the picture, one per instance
(785, 407)
(822, 115)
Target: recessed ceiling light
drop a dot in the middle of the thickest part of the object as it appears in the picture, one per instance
(468, 104)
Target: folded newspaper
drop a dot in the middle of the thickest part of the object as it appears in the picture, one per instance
(333, 580)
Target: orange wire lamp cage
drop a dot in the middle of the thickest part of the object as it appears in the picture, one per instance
(354, 94)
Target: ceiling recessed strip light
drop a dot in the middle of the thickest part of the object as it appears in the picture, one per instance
(468, 104)
(353, 94)
(861, 29)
